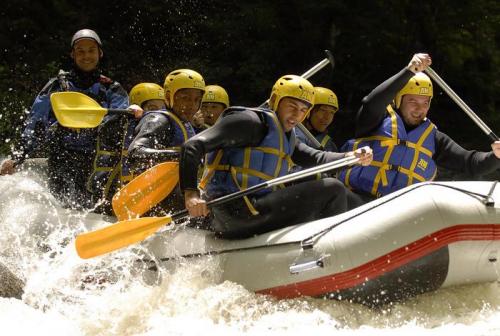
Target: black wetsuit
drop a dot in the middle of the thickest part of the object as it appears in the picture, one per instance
(295, 204)
(153, 136)
(152, 140)
(449, 154)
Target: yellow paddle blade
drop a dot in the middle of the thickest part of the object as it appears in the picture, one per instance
(146, 190)
(76, 110)
(117, 235)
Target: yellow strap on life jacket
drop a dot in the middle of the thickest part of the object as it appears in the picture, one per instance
(179, 123)
(325, 140)
(211, 168)
(417, 151)
(245, 171)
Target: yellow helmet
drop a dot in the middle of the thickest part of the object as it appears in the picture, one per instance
(292, 86)
(215, 94)
(146, 91)
(420, 84)
(182, 79)
(324, 96)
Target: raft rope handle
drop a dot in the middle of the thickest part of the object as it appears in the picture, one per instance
(309, 242)
(485, 199)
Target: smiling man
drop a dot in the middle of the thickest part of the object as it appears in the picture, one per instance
(407, 147)
(160, 133)
(70, 152)
(248, 146)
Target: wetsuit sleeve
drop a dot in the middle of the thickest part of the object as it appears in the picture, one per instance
(111, 131)
(153, 136)
(39, 120)
(233, 129)
(373, 107)
(452, 156)
(306, 156)
(117, 97)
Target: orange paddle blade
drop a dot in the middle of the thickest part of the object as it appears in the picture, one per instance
(146, 190)
(117, 235)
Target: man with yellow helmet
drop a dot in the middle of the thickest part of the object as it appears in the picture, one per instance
(161, 132)
(407, 147)
(250, 145)
(321, 116)
(215, 101)
(148, 96)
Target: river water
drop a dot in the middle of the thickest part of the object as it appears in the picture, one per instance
(65, 295)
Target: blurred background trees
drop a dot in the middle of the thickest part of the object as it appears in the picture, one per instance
(246, 45)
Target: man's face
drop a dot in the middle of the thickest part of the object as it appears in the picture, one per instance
(321, 117)
(153, 105)
(86, 54)
(211, 112)
(186, 103)
(414, 108)
(290, 112)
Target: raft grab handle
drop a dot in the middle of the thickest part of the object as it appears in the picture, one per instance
(308, 260)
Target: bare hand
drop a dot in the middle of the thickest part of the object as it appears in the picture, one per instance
(365, 155)
(419, 62)
(138, 111)
(196, 206)
(8, 167)
(496, 148)
(198, 119)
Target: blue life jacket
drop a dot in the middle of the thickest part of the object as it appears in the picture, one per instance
(41, 125)
(324, 140)
(400, 158)
(111, 169)
(232, 169)
(183, 130)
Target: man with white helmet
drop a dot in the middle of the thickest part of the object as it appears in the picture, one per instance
(407, 146)
(250, 145)
(70, 152)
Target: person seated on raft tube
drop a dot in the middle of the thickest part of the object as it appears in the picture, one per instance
(160, 133)
(70, 151)
(112, 170)
(320, 118)
(407, 146)
(247, 146)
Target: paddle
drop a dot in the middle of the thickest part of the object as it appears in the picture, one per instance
(76, 110)
(125, 207)
(435, 77)
(328, 60)
(146, 190)
(131, 231)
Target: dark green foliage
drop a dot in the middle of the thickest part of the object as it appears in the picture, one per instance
(246, 45)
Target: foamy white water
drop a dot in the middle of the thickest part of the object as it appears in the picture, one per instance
(65, 295)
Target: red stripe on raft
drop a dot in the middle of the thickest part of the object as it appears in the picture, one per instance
(387, 262)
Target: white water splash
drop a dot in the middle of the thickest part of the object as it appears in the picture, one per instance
(65, 295)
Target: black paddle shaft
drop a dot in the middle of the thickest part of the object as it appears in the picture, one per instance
(121, 111)
(347, 161)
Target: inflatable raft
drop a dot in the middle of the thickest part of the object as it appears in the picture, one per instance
(419, 239)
